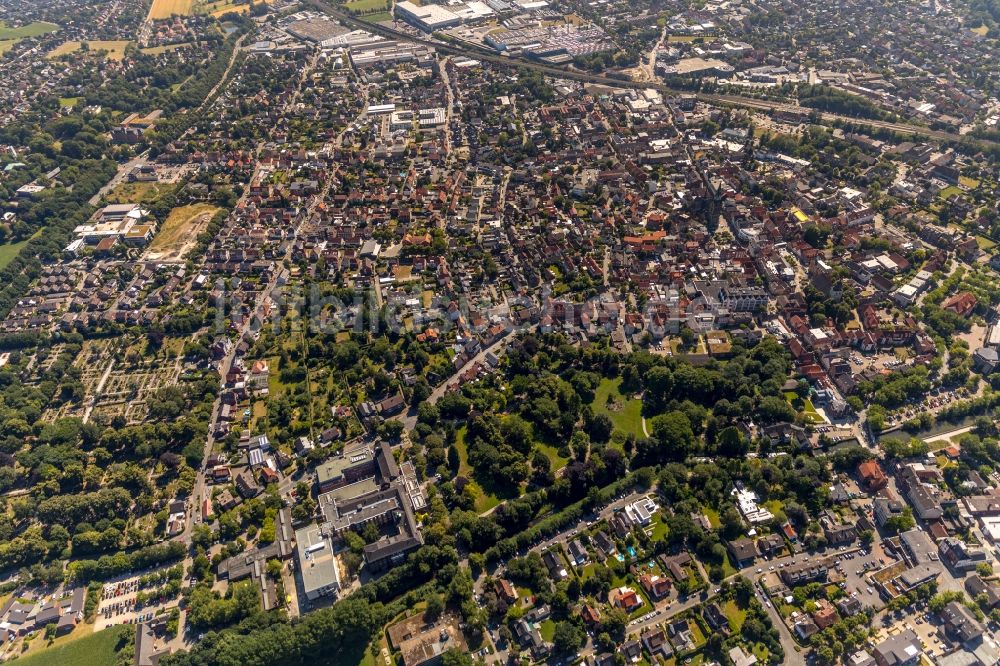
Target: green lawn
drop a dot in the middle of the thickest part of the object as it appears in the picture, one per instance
(712, 515)
(380, 17)
(949, 192)
(552, 453)
(735, 614)
(659, 528)
(804, 406)
(696, 634)
(96, 649)
(626, 415)
(548, 630)
(727, 567)
(144, 192)
(30, 30)
(463, 453)
(10, 250)
(484, 500)
(365, 5)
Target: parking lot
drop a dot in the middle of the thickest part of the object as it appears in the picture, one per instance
(117, 605)
(852, 564)
(855, 567)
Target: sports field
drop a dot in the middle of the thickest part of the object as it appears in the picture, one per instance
(164, 9)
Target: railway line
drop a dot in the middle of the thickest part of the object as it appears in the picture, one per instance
(477, 52)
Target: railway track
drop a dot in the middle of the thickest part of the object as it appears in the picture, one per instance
(476, 52)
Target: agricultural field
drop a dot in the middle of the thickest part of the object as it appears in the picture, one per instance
(179, 231)
(114, 49)
(219, 8)
(164, 9)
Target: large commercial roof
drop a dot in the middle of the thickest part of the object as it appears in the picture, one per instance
(317, 565)
(429, 15)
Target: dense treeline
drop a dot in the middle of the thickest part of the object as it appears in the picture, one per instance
(330, 635)
(69, 510)
(826, 98)
(109, 566)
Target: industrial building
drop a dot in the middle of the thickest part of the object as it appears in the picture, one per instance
(427, 17)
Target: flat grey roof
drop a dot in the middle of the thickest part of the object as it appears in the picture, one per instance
(317, 565)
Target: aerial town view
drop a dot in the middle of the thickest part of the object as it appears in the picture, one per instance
(500, 332)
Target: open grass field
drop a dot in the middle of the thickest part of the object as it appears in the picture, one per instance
(35, 29)
(380, 17)
(9, 37)
(10, 250)
(982, 30)
(114, 49)
(96, 649)
(157, 50)
(552, 453)
(163, 9)
(365, 5)
(626, 415)
(139, 192)
(179, 230)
